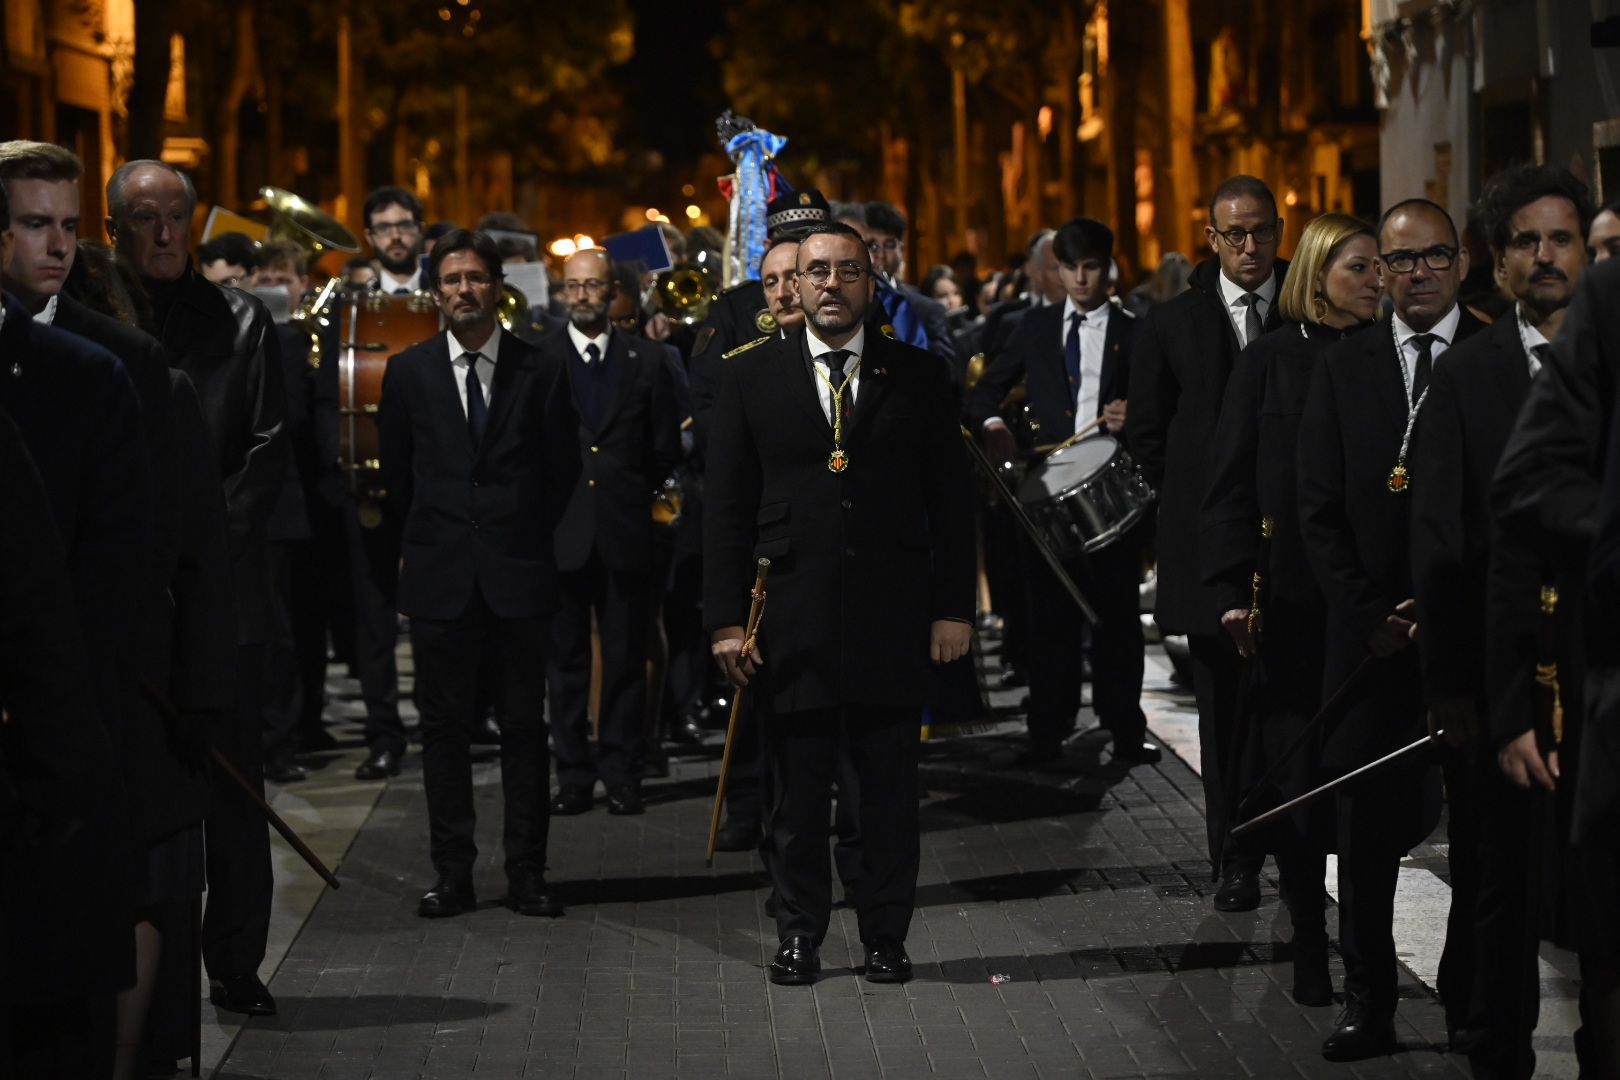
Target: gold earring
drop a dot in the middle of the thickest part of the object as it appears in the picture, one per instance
(1319, 308)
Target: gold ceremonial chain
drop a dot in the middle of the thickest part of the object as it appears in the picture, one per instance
(838, 460)
(1267, 526)
(1399, 479)
(1547, 674)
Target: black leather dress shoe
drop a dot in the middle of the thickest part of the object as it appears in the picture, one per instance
(284, 771)
(1239, 891)
(1359, 1035)
(625, 800)
(450, 895)
(796, 962)
(242, 994)
(528, 893)
(737, 836)
(570, 801)
(887, 962)
(1144, 753)
(486, 732)
(380, 765)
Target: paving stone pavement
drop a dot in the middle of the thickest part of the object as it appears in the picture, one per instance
(1063, 930)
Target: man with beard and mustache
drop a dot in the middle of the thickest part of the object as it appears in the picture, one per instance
(394, 230)
(1356, 471)
(479, 452)
(629, 441)
(836, 454)
(1535, 218)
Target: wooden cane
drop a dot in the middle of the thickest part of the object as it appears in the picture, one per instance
(170, 713)
(756, 613)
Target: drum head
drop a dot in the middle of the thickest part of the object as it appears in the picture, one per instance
(1066, 469)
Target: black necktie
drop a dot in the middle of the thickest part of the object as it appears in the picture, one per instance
(1252, 326)
(1424, 365)
(402, 291)
(835, 371)
(1071, 357)
(477, 411)
(1542, 353)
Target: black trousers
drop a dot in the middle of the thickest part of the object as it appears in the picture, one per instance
(448, 655)
(1373, 822)
(623, 606)
(1005, 553)
(1216, 670)
(295, 667)
(802, 752)
(236, 921)
(376, 633)
(309, 579)
(1109, 579)
(1466, 783)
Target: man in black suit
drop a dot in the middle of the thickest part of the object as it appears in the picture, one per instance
(1183, 358)
(1075, 361)
(629, 441)
(836, 455)
(479, 448)
(1356, 470)
(1535, 218)
(222, 339)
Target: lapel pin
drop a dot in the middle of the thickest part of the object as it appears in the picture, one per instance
(16, 371)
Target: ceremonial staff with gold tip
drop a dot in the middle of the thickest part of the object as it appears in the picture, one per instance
(834, 453)
(756, 612)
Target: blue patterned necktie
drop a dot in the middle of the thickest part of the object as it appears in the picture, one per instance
(477, 410)
(1071, 358)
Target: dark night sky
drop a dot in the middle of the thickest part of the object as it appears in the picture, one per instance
(672, 85)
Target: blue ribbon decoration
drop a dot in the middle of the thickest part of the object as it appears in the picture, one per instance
(753, 153)
(907, 326)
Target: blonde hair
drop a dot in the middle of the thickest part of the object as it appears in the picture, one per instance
(1322, 240)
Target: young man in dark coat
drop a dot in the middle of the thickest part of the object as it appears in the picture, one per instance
(1184, 354)
(1075, 361)
(867, 521)
(222, 338)
(1356, 471)
(480, 450)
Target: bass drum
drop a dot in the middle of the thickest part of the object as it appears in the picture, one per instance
(374, 327)
(1084, 496)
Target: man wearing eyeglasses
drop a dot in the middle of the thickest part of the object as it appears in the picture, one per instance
(836, 454)
(916, 318)
(225, 341)
(1184, 354)
(479, 452)
(393, 219)
(629, 442)
(1357, 469)
(1536, 219)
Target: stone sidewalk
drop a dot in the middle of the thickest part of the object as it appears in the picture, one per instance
(1063, 930)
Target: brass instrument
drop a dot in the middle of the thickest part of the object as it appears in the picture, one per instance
(513, 310)
(295, 218)
(310, 316)
(685, 293)
(975, 370)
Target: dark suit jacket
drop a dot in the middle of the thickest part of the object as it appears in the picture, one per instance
(730, 323)
(81, 420)
(623, 461)
(224, 339)
(290, 516)
(861, 561)
(465, 517)
(1474, 396)
(1357, 532)
(1184, 354)
(62, 819)
(1035, 354)
(931, 313)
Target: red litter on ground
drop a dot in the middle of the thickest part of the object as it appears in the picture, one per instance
(997, 980)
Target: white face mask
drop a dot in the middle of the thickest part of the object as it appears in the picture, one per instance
(278, 298)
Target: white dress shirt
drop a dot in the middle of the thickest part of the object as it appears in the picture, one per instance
(1093, 335)
(486, 365)
(1444, 331)
(47, 314)
(1532, 339)
(1237, 310)
(580, 341)
(855, 346)
(388, 283)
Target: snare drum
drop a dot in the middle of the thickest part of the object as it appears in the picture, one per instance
(375, 326)
(1084, 496)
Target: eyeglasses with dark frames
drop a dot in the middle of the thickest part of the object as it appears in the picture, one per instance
(1439, 257)
(848, 273)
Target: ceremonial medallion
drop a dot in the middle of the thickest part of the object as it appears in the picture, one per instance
(765, 321)
(837, 461)
(1398, 480)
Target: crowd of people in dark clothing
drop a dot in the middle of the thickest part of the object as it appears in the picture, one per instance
(1378, 511)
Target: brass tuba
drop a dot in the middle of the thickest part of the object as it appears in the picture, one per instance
(513, 309)
(684, 293)
(295, 218)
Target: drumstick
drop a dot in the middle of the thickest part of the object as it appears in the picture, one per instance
(1052, 448)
